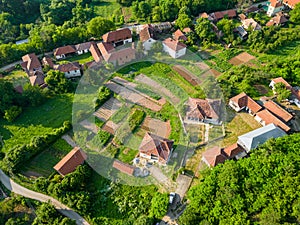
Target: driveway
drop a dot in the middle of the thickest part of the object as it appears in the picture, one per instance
(18, 189)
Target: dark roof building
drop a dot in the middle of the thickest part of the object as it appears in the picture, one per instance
(213, 156)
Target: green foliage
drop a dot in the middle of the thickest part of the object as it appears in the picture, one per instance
(295, 14)
(260, 189)
(34, 95)
(9, 97)
(120, 114)
(103, 95)
(136, 118)
(183, 21)
(12, 113)
(204, 30)
(100, 139)
(226, 26)
(159, 205)
(99, 26)
(57, 82)
(281, 92)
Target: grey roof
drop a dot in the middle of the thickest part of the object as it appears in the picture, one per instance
(259, 136)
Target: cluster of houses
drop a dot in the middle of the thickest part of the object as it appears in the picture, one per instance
(275, 120)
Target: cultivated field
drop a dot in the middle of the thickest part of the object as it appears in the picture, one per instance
(242, 58)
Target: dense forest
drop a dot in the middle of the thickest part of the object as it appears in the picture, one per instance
(261, 189)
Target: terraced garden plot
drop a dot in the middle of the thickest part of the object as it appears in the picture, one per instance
(242, 58)
(109, 108)
(187, 75)
(158, 127)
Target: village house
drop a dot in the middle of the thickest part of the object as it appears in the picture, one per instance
(230, 14)
(70, 162)
(117, 57)
(118, 37)
(38, 80)
(162, 27)
(179, 36)
(243, 34)
(70, 70)
(213, 156)
(123, 167)
(251, 23)
(277, 110)
(275, 6)
(279, 80)
(174, 48)
(65, 51)
(95, 52)
(253, 139)
(264, 117)
(31, 64)
(47, 61)
(234, 151)
(204, 15)
(147, 37)
(203, 110)
(290, 3)
(187, 30)
(83, 48)
(155, 148)
(243, 102)
(277, 20)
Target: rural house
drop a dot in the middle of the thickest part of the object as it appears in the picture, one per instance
(213, 156)
(70, 70)
(216, 16)
(234, 151)
(95, 52)
(83, 48)
(38, 80)
(278, 111)
(275, 6)
(277, 20)
(118, 37)
(243, 102)
(251, 23)
(31, 64)
(147, 37)
(179, 36)
(155, 148)
(203, 110)
(264, 117)
(63, 52)
(47, 61)
(259, 136)
(70, 162)
(174, 48)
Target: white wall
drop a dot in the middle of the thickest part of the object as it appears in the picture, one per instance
(148, 44)
(74, 73)
(173, 53)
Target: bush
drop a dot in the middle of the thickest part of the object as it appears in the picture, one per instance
(12, 113)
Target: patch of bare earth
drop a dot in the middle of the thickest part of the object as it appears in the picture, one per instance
(242, 58)
(261, 89)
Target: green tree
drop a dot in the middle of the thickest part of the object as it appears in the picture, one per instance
(204, 30)
(57, 82)
(99, 26)
(226, 26)
(159, 205)
(183, 21)
(12, 113)
(295, 14)
(281, 92)
(34, 95)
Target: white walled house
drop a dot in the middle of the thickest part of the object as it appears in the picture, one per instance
(118, 37)
(83, 48)
(274, 7)
(70, 69)
(147, 37)
(174, 48)
(63, 52)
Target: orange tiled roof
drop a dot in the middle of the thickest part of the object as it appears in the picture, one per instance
(178, 35)
(146, 33)
(123, 167)
(243, 100)
(291, 3)
(278, 111)
(64, 50)
(117, 35)
(269, 118)
(281, 80)
(95, 52)
(214, 156)
(173, 44)
(233, 150)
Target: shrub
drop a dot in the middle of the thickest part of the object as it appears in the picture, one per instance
(12, 113)
(136, 118)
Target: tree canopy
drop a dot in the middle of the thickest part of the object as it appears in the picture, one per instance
(261, 189)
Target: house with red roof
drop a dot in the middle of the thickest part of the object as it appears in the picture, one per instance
(123, 167)
(65, 51)
(243, 102)
(277, 111)
(203, 110)
(290, 3)
(230, 14)
(264, 117)
(174, 48)
(38, 80)
(234, 151)
(95, 52)
(83, 47)
(155, 148)
(71, 69)
(146, 36)
(31, 64)
(277, 20)
(275, 6)
(213, 156)
(178, 35)
(70, 162)
(118, 37)
(250, 23)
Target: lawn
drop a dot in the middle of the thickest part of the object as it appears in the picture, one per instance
(36, 121)
(43, 163)
(84, 58)
(17, 77)
(127, 155)
(106, 8)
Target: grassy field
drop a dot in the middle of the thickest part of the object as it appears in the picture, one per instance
(36, 121)
(84, 58)
(43, 163)
(17, 77)
(106, 8)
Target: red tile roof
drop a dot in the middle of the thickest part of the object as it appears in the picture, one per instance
(269, 118)
(203, 108)
(117, 35)
(281, 80)
(275, 3)
(37, 79)
(157, 146)
(30, 63)
(105, 48)
(95, 52)
(68, 67)
(187, 30)
(233, 150)
(173, 44)
(243, 100)
(178, 35)
(83, 46)
(123, 167)
(278, 111)
(214, 156)
(69, 49)
(220, 15)
(146, 33)
(69, 163)
(204, 15)
(291, 3)
(47, 61)
(277, 20)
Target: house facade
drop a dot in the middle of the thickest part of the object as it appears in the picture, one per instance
(63, 52)
(118, 37)
(174, 48)
(275, 6)
(70, 70)
(146, 36)
(243, 102)
(83, 48)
